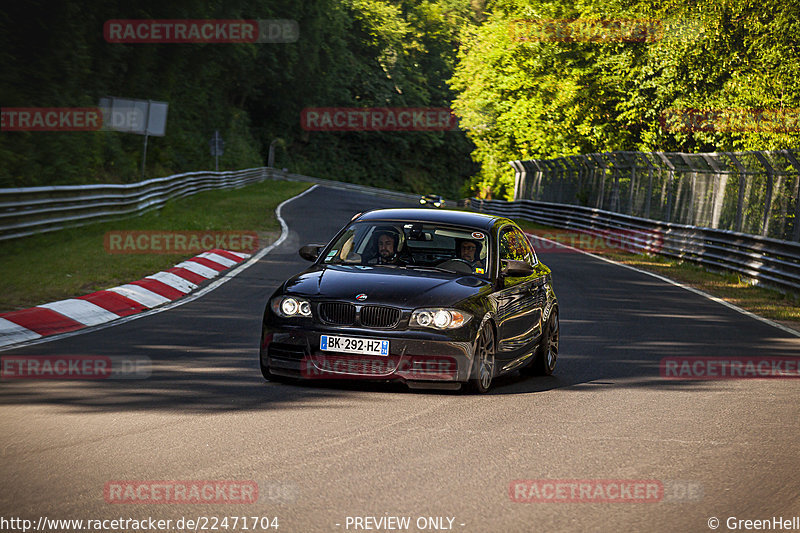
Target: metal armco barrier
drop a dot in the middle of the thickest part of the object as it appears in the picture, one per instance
(768, 261)
(747, 192)
(31, 210)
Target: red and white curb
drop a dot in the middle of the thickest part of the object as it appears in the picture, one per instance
(117, 302)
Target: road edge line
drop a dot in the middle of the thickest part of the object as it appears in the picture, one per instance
(224, 278)
(785, 329)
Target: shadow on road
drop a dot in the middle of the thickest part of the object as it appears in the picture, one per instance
(197, 369)
(616, 327)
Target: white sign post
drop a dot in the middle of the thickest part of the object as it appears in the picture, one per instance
(143, 117)
(217, 148)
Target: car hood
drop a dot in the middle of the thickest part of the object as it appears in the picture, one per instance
(385, 285)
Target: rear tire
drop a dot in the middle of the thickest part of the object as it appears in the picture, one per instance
(544, 362)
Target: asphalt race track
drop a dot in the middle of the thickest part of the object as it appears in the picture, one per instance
(323, 453)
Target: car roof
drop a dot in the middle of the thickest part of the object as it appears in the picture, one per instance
(440, 216)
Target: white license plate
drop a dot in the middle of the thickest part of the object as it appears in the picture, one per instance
(329, 343)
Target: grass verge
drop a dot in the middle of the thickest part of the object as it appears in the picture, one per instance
(731, 287)
(73, 262)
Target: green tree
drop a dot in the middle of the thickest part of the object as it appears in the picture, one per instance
(523, 99)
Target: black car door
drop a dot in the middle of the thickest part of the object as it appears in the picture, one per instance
(519, 300)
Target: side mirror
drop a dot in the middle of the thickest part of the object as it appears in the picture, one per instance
(515, 269)
(310, 252)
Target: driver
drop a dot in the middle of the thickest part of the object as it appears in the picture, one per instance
(387, 249)
(469, 251)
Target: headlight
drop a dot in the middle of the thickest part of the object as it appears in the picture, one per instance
(437, 204)
(422, 200)
(439, 318)
(291, 306)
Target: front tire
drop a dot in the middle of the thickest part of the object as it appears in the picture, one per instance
(483, 362)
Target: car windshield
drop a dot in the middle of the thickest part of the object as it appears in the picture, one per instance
(416, 245)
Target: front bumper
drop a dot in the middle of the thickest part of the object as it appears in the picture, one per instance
(414, 356)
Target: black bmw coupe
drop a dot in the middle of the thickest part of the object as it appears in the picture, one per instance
(433, 298)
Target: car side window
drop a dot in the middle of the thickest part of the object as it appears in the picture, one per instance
(510, 247)
(514, 245)
(525, 244)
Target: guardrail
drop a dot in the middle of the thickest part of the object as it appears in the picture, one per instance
(755, 192)
(27, 211)
(763, 259)
(31, 210)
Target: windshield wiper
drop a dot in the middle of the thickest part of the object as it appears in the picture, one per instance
(434, 268)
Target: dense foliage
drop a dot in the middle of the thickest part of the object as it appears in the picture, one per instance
(515, 98)
(351, 53)
(523, 99)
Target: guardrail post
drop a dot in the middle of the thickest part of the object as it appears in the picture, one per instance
(541, 168)
(562, 177)
(547, 173)
(768, 196)
(531, 170)
(555, 173)
(558, 176)
(740, 201)
(599, 163)
(649, 197)
(789, 155)
(631, 160)
(272, 145)
(669, 184)
(693, 195)
(796, 228)
(566, 171)
(519, 179)
(587, 171)
(615, 170)
(718, 192)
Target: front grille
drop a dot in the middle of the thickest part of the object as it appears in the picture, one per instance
(376, 316)
(340, 314)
